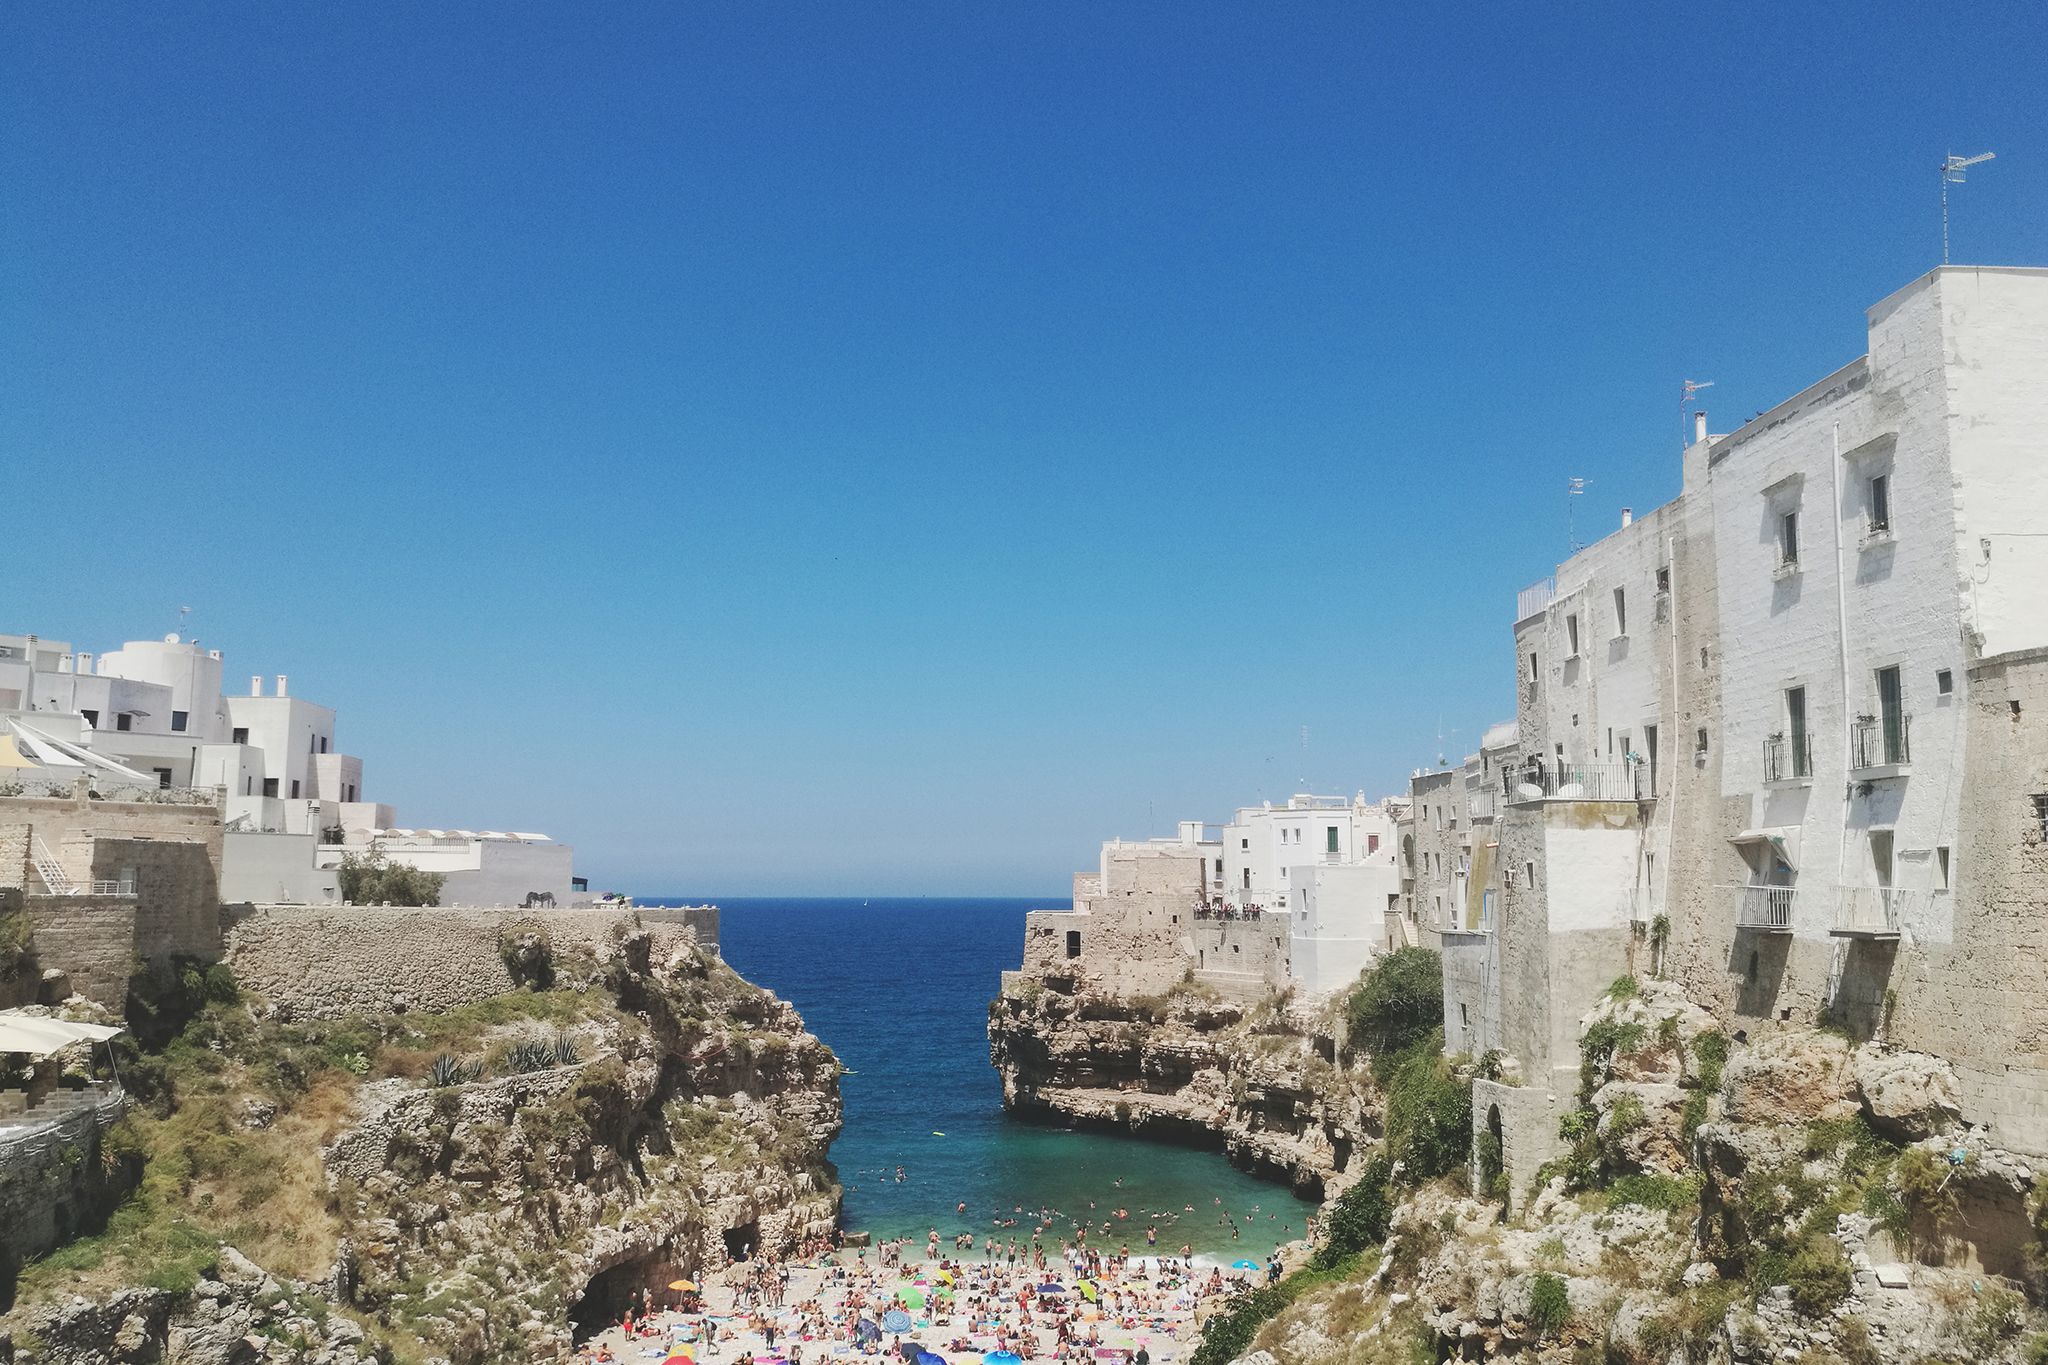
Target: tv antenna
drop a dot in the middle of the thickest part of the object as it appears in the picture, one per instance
(1572, 492)
(1686, 392)
(1952, 173)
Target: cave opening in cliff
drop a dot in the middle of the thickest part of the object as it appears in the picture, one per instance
(741, 1241)
(617, 1288)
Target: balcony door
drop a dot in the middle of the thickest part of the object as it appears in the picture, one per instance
(1891, 708)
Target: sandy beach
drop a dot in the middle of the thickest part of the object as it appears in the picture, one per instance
(851, 1305)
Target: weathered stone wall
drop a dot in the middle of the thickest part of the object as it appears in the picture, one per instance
(91, 939)
(57, 821)
(53, 1184)
(1978, 1001)
(1133, 927)
(327, 961)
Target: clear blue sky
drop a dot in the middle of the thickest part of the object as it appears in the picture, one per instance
(799, 448)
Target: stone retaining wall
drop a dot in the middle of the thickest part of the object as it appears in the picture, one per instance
(327, 961)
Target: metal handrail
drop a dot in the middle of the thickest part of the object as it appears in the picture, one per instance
(1572, 782)
(1786, 759)
(1881, 741)
(1765, 907)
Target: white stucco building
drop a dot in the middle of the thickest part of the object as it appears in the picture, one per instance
(152, 714)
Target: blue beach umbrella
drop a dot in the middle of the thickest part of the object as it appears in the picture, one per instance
(930, 1358)
(896, 1320)
(1244, 1265)
(1002, 1358)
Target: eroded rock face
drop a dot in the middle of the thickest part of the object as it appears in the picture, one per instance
(476, 1218)
(1906, 1095)
(1791, 1077)
(1186, 1068)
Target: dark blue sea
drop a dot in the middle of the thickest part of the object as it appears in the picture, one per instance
(900, 990)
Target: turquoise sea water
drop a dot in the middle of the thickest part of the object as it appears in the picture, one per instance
(900, 990)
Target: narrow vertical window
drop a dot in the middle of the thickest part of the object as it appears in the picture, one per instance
(1788, 538)
(1620, 612)
(1880, 504)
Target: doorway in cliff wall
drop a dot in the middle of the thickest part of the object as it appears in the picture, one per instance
(741, 1241)
(612, 1291)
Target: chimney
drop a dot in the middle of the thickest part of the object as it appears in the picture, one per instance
(85, 663)
(256, 684)
(280, 684)
(1628, 514)
(1699, 425)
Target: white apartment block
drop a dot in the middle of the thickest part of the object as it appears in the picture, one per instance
(152, 715)
(1749, 721)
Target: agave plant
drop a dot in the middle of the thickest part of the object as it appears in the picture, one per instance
(533, 1055)
(446, 1071)
(565, 1053)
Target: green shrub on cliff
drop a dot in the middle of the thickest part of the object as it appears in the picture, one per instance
(1397, 1004)
(373, 879)
(1429, 1113)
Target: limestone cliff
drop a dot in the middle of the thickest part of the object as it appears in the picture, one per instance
(465, 1184)
(1802, 1198)
(1258, 1082)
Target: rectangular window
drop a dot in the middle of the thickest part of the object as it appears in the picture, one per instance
(1891, 707)
(323, 744)
(92, 719)
(1664, 578)
(1650, 744)
(1944, 682)
(1372, 843)
(1699, 742)
(1532, 668)
(122, 720)
(1941, 882)
(178, 719)
(1800, 763)
(270, 786)
(1880, 504)
(1529, 870)
(295, 789)
(1788, 538)
(240, 735)
(1073, 943)
(1571, 631)
(1620, 613)
(163, 776)
(1330, 844)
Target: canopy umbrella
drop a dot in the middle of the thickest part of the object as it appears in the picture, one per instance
(1049, 1290)
(1088, 1290)
(683, 1356)
(1002, 1358)
(896, 1320)
(866, 1330)
(930, 1358)
(945, 1275)
(682, 1285)
(914, 1297)
(39, 1036)
(1244, 1265)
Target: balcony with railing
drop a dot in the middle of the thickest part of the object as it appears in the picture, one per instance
(1482, 805)
(1534, 599)
(1765, 909)
(1875, 912)
(1881, 742)
(1788, 758)
(1572, 782)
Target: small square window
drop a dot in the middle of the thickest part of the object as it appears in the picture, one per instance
(1944, 682)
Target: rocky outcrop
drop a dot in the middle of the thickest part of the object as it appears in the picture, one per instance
(1906, 1095)
(681, 1113)
(1257, 1084)
(239, 1315)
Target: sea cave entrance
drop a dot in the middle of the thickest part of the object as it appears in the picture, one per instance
(617, 1288)
(741, 1241)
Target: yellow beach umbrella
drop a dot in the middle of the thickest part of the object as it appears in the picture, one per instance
(682, 1286)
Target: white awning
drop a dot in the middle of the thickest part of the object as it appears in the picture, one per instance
(1784, 838)
(39, 1036)
(58, 753)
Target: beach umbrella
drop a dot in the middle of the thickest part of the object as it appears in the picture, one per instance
(1052, 1289)
(930, 1358)
(1244, 1265)
(946, 1275)
(1002, 1358)
(682, 1286)
(867, 1331)
(1088, 1290)
(896, 1320)
(914, 1297)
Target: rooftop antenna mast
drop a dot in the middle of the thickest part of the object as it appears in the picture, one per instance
(1304, 758)
(1952, 173)
(1572, 493)
(1686, 392)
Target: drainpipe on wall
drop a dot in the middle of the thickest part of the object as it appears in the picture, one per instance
(1842, 649)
